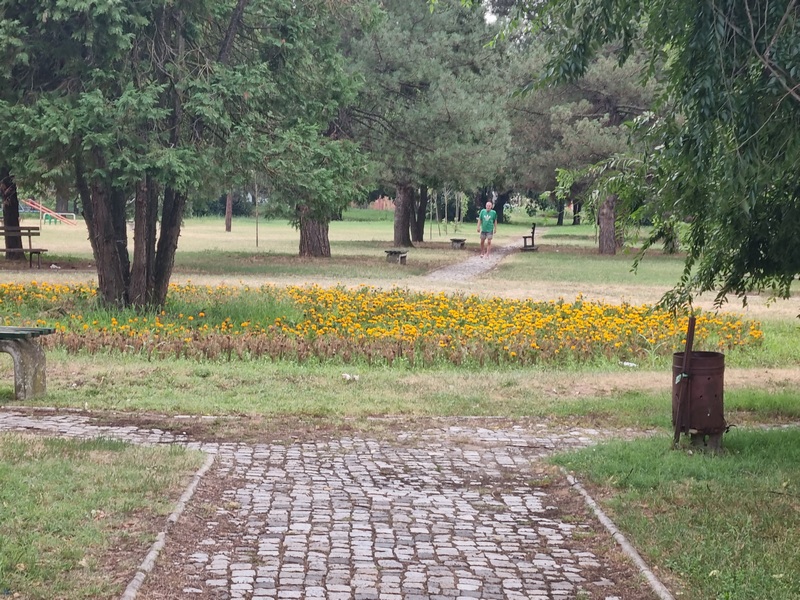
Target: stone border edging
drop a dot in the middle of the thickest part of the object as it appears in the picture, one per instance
(150, 560)
(659, 588)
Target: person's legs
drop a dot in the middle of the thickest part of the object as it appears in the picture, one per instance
(488, 243)
(483, 243)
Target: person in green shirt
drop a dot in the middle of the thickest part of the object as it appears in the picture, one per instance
(487, 227)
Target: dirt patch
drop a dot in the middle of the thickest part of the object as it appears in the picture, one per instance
(53, 265)
(628, 583)
(601, 385)
(207, 514)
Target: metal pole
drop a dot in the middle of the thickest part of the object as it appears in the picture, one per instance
(255, 199)
(684, 381)
(445, 210)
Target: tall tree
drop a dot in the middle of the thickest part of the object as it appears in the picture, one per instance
(431, 112)
(8, 193)
(574, 124)
(726, 158)
(149, 102)
(312, 183)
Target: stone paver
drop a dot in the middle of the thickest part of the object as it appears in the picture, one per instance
(451, 512)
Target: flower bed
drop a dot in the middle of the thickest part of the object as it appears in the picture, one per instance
(366, 324)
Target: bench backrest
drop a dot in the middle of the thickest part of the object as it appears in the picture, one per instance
(23, 231)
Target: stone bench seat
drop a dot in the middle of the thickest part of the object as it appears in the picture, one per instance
(396, 256)
(458, 243)
(28, 357)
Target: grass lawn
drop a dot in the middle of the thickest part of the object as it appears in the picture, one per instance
(719, 526)
(78, 516)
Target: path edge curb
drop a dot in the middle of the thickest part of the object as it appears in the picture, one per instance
(150, 560)
(659, 588)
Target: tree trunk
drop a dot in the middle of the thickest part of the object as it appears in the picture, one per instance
(228, 211)
(669, 233)
(63, 193)
(233, 28)
(418, 213)
(144, 243)
(8, 190)
(607, 220)
(500, 205)
(107, 246)
(560, 211)
(171, 218)
(576, 212)
(403, 203)
(314, 241)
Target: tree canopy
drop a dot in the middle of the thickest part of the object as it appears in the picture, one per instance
(432, 108)
(147, 103)
(726, 149)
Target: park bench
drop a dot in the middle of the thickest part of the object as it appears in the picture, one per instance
(458, 243)
(23, 231)
(29, 359)
(527, 240)
(396, 256)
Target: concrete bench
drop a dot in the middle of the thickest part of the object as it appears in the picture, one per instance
(527, 240)
(458, 243)
(29, 359)
(396, 256)
(24, 231)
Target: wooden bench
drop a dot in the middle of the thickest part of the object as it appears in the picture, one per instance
(527, 240)
(458, 243)
(23, 231)
(29, 360)
(396, 256)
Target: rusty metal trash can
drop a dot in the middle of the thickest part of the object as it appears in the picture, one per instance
(702, 414)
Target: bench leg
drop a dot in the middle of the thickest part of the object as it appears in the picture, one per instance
(29, 367)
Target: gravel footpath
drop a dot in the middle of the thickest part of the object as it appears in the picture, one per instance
(474, 265)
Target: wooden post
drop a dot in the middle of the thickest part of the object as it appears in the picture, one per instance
(684, 382)
(228, 211)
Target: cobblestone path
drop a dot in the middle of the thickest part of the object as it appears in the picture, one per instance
(448, 512)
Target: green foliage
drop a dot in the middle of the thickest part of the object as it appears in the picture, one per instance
(367, 215)
(570, 125)
(726, 148)
(432, 110)
(176, 98)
